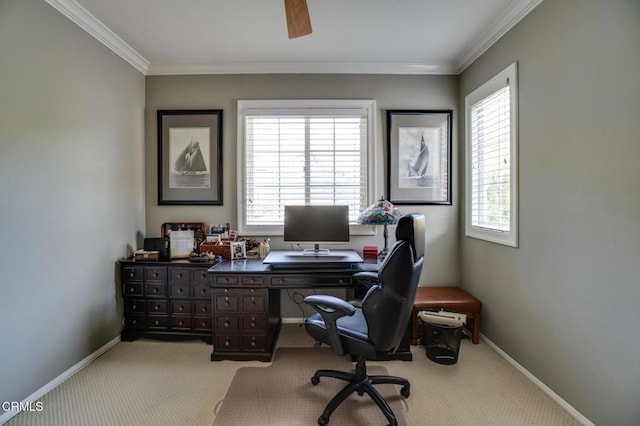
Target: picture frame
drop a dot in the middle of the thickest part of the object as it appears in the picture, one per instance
(189, 157)
(419, 156)
(238, 250)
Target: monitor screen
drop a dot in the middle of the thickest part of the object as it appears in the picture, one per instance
(316, 224)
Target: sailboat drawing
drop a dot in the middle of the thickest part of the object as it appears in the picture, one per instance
(418, 167)
(190, 161)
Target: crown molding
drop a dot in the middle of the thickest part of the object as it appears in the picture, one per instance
(85, 20)
(507, 20)
(296, 68)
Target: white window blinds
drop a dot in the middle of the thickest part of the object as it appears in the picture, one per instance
(312, 156)
(491, 160)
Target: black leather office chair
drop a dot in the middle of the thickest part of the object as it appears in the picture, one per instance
(378, 325)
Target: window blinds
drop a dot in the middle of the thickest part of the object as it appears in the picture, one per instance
(491, 161)
(304, 157)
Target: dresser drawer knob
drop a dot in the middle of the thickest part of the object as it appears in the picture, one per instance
(204, 323)
(131, 290)
(157, 322)
(181, 323)
(203, 291)
(227, 343)
(181, 308)
(134, 322)
(156, 307)
(253, 342)
(132, 274)
(253, 324)
(155, 275)
(134, 307)
(179, 290)
(204, 309)
(155, 290)
(227, 324)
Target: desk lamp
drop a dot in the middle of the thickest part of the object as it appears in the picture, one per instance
(382, 212)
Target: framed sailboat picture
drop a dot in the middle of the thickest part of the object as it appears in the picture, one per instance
(190, 157)
(419, 156)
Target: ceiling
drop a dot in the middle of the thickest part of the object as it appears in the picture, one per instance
(250, 36)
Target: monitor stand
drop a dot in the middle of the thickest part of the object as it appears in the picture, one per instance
(316, 251)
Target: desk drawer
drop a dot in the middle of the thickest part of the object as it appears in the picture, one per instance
(226, 324)
(180, 307)
(227, 302)
(155, 289)
(306, 281)
(202, 291)
(155, 273)
(227, 343)
(254, 303)
(226, 280)
(157, 307)
(202, 323)
(252, 280)
(254, 324)
(256, 343)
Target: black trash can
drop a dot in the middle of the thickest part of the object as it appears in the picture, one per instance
(441, 335)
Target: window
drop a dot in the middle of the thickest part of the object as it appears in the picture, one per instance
(302, 152)
(491, 160)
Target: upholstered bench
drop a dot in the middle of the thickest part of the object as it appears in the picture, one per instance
(450, 299)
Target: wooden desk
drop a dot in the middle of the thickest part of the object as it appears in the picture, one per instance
(246, 305)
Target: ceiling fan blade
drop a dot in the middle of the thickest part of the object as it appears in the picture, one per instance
(298, 21)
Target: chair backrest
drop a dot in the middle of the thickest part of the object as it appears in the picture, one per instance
(387, 306)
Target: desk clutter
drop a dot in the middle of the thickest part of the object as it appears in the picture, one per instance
(199, 242)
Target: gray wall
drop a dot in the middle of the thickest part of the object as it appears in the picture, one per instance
(565, 304)
(71, 192)
(223, 91)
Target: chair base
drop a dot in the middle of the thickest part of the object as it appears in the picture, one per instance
(361, 383)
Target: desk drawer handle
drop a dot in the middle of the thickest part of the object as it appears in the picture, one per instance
(227, 323)
(227, 343)
(204, 323)
(155, 275)
(155, 290)
(181, 323)
(179, 290)
(253, 324)
(203, 291)
(204, 309)
(340, 281)
(179, 275)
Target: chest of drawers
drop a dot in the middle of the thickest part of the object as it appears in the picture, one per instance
(166, 300)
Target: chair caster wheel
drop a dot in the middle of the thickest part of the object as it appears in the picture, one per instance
(322, 420)
(405, 391)
(314, 381)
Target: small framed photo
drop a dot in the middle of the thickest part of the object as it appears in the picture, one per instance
(238, 250)
(419, 156)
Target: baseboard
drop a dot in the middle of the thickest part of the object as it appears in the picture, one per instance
(564, 404)
(5, 417)
(293, 320)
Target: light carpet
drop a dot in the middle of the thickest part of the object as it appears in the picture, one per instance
(174, 383)
(283, 395)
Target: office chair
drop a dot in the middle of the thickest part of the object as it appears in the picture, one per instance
(378, 325)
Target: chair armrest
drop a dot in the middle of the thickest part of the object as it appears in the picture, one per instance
(330, 309)
(366, 275)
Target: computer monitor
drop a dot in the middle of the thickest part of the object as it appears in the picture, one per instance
(316, 225)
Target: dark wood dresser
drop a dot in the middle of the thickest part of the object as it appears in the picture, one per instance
(166, 300)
